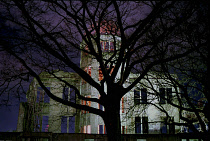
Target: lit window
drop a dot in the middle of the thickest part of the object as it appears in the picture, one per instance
(124, 130)
(89, 129)
(88, 103)
(104, 129)
(100, 74)
(84, 129)
(99, 105)
(89, 70)
(112, 70)
(123, 105)
(84, 102)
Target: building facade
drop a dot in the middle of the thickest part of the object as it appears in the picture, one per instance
(140, 108)
(42, 114)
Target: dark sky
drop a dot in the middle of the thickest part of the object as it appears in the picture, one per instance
(9, 111)
(8, 118)
(9, 114)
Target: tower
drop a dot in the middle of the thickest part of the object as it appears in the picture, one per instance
(109, 42)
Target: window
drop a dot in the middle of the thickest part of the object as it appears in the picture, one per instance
(123, 105)
(102, 45)
(63, 124)
(69, 94)
(143, 99)
(86, 129)
(37, 123)
(45, 124)
(141, 125)
(124, 130)
(72, 124)
(65, 93)
(89, 129)
(137, 125)
(87, 49)
(171, 128)
(107, 46)
(145, 124)
(84, 102)
(163, 128)
(136, 97)
(167, 124)
(100, 107)
(162, 95)
(72, 96)
(68, 124)
(165, 95)
(140, 98)
(112, 69)
(42, 96)
(89, 70)
(169, 93)
(100, 74)
(83, 81)
(111, 46)
(41, 123)
(88, 102)
(101, 129)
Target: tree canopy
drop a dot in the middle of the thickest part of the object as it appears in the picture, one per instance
(44, 36)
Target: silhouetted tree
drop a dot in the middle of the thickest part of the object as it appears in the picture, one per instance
(50, 34)
(191, 84)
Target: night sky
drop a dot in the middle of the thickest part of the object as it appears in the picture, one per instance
(9, 112)
(8, 118)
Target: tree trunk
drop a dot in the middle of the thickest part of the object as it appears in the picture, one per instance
(112, 121)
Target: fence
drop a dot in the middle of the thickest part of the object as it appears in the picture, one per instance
(43, 136)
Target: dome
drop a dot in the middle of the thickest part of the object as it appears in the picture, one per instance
(106, 28)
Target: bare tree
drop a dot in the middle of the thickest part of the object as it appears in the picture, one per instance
(47, 36)
(191, 94)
